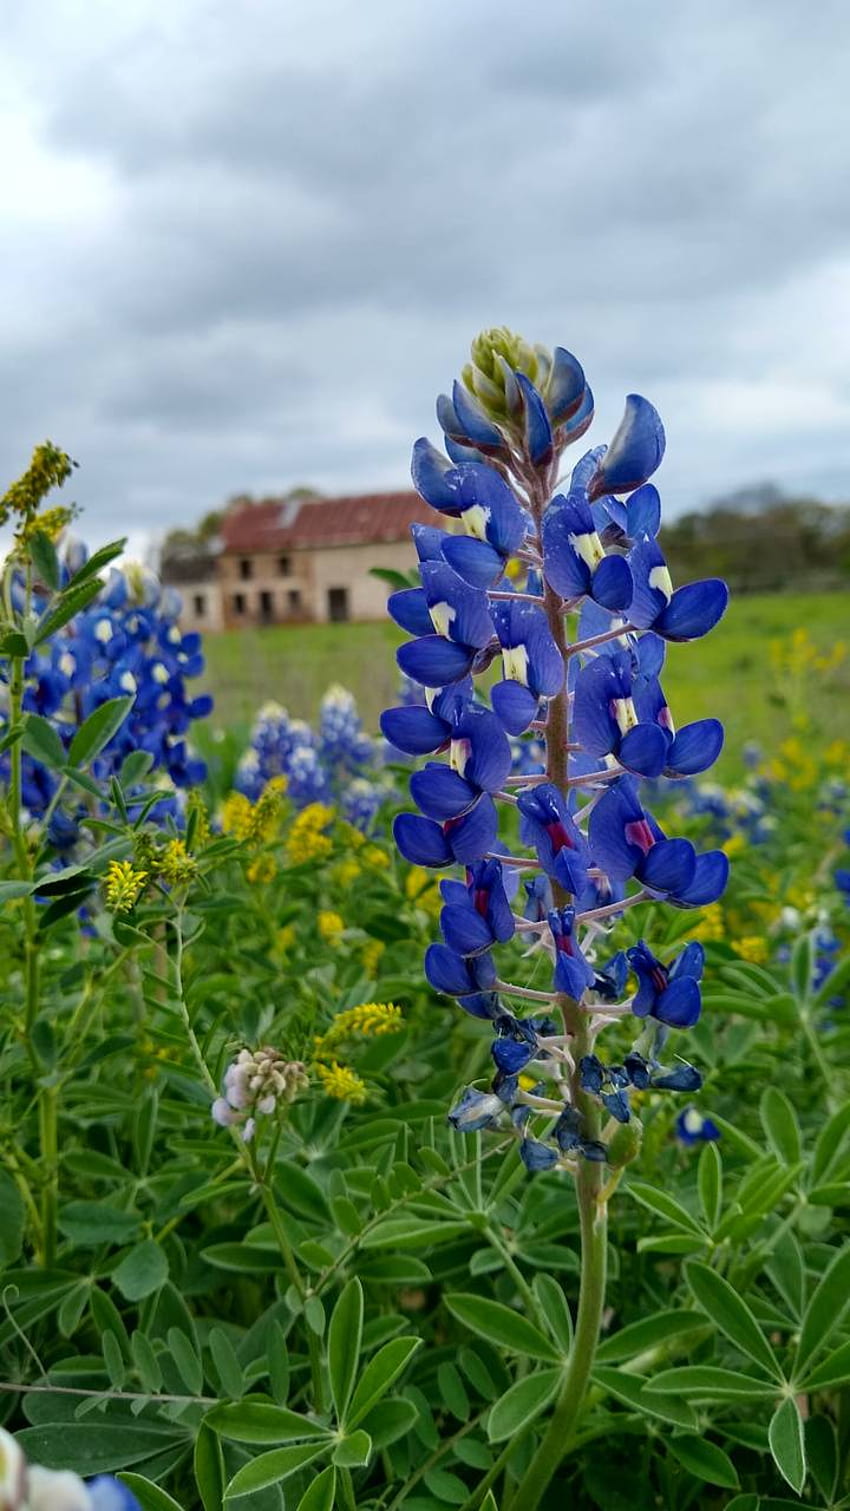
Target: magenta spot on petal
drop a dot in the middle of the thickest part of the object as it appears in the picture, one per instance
(480, 900)
(665, 719)
(639, 833)
(559, 837)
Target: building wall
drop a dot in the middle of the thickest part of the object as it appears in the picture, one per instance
(203, 605)
(328, 581)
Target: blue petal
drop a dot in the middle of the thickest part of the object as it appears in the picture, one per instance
(611, 584)
(409, 608)
(538, 431)
(471, 623)
(581, 421)
(475, 1110)
(474, 560)
(708, 882)
(428, 541)
(644, 750)
(421, 841)
(440, 792)
(592, 723)
(506, 523)
(635, 451)
(690, 963)
(683, 1078)
(572, 974)
(435, 661)
(693, 610)
(448, 972)
(414, 729)
(669, 866)
(566, 386)
(429, 469)
(647, 601)
(490, 756)
(514, 705)
(472, 835)
(563, 568)
(511, 1055)
(108, 1494)
(694, 748)
(464, 930)
(608, 844)
(679, 1006)
(475, 427)
(643, 512)
(536, 1156)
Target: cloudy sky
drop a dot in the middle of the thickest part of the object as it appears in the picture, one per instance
(245, 245)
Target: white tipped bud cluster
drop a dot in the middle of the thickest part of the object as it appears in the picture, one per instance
(258, 1081)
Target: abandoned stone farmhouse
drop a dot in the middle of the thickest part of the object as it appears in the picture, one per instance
(300, 561)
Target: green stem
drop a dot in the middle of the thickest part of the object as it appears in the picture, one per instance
(556, 1441)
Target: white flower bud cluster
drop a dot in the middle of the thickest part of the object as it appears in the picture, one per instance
(257, 1081)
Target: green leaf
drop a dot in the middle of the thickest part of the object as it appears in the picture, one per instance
(380, 1373)
(98, 559)
(822, 1455)
(44, 558)
(390, 1420)
(271, 1468)
(413, 1233)
(260, 1422)
(69, 603)
(146, 1362)
(299, 1193)
(9, 890)
(555, 1310)
(731, 1316)
(704, 1460)
(142, 1271)
(345, 1335)
(779, 1122)
(449, 1489)
(664, 1205)
(825, 1310)
(785, 1436)
(830, 1195)
(704, 1382)
(186, 1360)
(632, 1390)
(12, 1220)
(744, 1503)
(522, 1403)
(277, 1358)
(243, 1258)
(452, 1390)
(314, 1315)
(501, 1325)
(829, 1143)
(710, 1185)
(41, 741)
(802, 971)
(648, 1333)
(353, 1451)
(13, 643)
(209, 1468)
(98, 729)
(833, 1370)
(90, 1223)
(321, 1496)
(227, 1365)
(113, 1446)
(151, 1497)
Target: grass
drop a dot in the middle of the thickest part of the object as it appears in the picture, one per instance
(729, 674)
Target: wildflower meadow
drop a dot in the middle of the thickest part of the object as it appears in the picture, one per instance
(450, 1113)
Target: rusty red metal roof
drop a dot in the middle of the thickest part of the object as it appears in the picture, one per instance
(367, 519)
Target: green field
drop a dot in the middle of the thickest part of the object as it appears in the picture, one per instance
(729, 674)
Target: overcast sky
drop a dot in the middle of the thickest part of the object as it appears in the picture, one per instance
(244, 245)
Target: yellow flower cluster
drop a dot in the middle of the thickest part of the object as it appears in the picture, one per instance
(798, 657)
(123, 886)
(752, 948)
(176, 865)
(346, 872)
(370, 955)
(236, 815)
(308, 838)
(342, 1084)
(420, 888)
(197, 810)
(254, 823)
(330, 926)
(710, 925)
(49, 468)
(51, 523)
(262, 870)
(374, 858)
(367, 1020)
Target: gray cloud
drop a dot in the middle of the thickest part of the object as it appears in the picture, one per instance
(259, 240)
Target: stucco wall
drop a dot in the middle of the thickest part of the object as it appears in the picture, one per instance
(203, 605)
(312, 574)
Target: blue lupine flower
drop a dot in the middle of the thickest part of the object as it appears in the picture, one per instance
(548, 825)
(573, 975)
(606, 722)
(669, 993)
(686, 614)
(574, 559)
(506, 426)
(692, 1127)
(108, 1494)
(627, 841)
(533, 666)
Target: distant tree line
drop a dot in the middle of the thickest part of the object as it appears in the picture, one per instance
(762, 541)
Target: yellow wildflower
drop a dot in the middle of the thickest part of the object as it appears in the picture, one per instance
(753, 948)
(330, 926)
(366, 1020)
(341, 1083)
(262, 870)
(51, 523)
(374, 858)
(710, 924)
(286, 937)
(735, 844)
(265, 813)
(346, 871)
(123, 885)
(307, 839)
(197, 810)
(49, 468)
(236, 815)
(176, 865)
(370, 955)
(421, 888)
